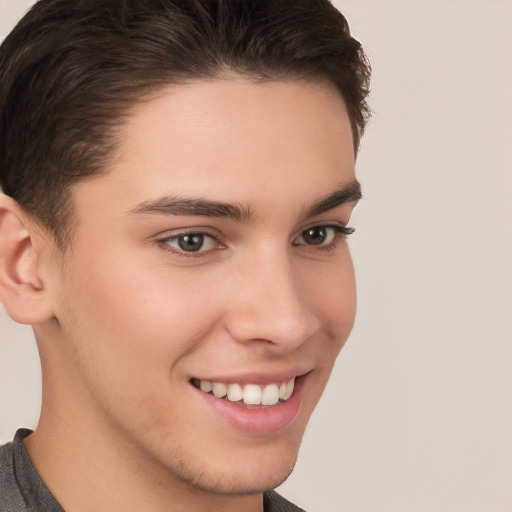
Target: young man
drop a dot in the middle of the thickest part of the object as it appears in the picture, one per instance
(178, 180)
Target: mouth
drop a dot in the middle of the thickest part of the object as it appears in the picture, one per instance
(250, 395)
(254, 405)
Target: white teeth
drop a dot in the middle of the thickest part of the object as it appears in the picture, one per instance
(206, 386)
(251, 394)
(289, 389)
(235, 392)
(270, 395)
(219, 389)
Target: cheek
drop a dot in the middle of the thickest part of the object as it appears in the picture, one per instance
(332, 296)
(129, 318)
(331, 292)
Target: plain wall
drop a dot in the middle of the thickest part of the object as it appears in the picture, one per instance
(418, 415)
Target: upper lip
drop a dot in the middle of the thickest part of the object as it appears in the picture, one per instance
(261, 378)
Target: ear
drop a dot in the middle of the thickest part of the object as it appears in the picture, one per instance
(22, 290)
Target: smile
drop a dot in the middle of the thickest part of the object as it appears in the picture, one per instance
(249, 395)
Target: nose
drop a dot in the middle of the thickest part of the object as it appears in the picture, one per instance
(269, 304)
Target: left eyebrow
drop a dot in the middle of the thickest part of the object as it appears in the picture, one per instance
(348, 193)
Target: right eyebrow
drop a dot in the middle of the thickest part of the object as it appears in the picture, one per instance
(173, 205)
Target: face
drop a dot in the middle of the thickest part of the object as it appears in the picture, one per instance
(212, 258)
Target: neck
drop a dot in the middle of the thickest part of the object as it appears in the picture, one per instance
(95, 474)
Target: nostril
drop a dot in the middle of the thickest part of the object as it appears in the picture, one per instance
(258, 327)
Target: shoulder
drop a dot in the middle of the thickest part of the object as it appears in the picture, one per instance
(12, 500)
(21, 487)
(274, 502)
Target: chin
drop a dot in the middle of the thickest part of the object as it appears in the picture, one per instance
(250, 474)
(249, 480)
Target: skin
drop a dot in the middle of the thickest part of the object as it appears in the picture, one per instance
(125, 319)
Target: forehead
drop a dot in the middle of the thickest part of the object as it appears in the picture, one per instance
(230, 139)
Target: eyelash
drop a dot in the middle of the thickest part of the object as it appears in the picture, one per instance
(339, 233)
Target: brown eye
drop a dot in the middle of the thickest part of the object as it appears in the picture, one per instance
(316, 235)
(323, 235)
(191, 243)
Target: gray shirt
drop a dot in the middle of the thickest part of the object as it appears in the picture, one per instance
(23, 490)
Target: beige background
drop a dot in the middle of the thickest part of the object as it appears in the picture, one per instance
(418, 415)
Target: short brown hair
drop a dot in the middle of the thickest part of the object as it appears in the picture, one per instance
(70, 70)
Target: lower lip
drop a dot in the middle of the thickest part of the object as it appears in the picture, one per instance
(257, 421)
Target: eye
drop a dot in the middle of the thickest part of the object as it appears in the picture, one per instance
(191, 243)
(323, 235)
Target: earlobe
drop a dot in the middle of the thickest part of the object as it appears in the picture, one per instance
(22, 290)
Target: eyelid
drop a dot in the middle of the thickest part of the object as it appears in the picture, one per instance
(188, 230)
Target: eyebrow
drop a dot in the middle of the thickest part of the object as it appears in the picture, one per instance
(175, 205)
(347, 193)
